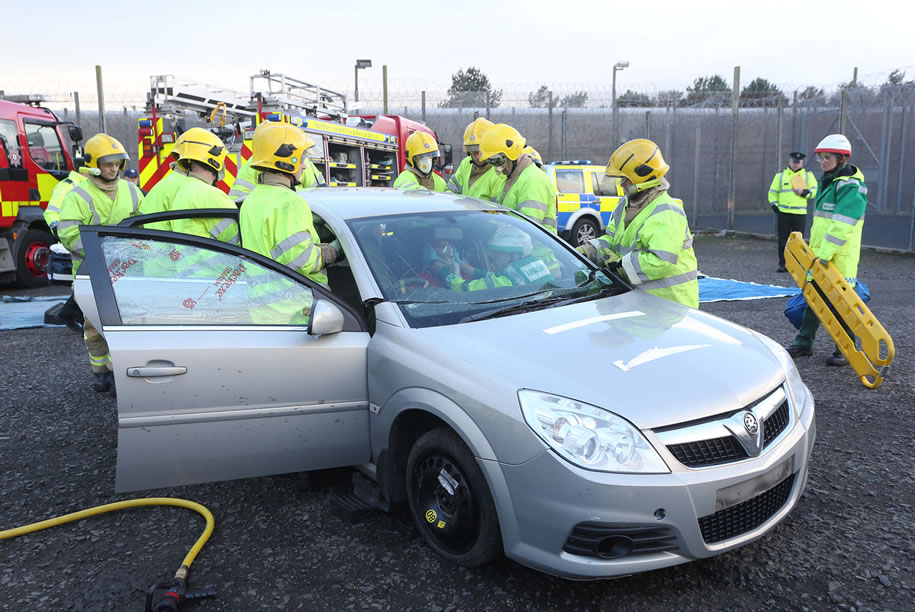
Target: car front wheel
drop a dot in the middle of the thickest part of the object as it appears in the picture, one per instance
(450, 501)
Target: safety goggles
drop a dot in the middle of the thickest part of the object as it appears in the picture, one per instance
(497, 160)
(824, 156)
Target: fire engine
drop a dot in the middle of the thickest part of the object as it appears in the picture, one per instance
(34, 157)
(349, 155)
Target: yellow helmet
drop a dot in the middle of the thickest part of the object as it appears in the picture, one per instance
(502, 139)
(638, 160)
(420, 144)
(279, 147)
(529, 150)
(176, 150)
(103, 149)
(474, 132)
(205, 147)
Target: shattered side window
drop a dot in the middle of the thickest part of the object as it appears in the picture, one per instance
(163, 283)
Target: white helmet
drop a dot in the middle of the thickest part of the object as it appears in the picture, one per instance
(511, 240)
(835, 143)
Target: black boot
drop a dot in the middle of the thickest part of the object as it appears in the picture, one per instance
(71, 315)
(837, 359)
(101, 381)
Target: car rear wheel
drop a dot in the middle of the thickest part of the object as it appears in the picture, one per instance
(450, 501)
(32, 252)
(585, 229)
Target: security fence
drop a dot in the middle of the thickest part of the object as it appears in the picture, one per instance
(696, 137)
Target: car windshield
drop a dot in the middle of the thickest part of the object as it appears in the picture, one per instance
(451, 267)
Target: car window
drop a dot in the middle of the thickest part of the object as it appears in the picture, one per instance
(445, 266)
(9, 136)
(44, 146)
(165, 283)
(570, 181)
(604, 185)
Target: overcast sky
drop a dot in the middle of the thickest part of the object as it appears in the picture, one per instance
(54, 47)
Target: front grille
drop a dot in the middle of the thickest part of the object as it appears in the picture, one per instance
(612, 541)
(776, 423)
(745, 516)
(708, 452)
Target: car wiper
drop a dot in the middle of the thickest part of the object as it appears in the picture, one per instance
(525, 306)
(407, 302)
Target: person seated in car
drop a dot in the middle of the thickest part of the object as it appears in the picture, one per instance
(509, 252)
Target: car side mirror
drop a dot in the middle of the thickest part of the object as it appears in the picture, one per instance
(326, 318)
(449, 168)
(76, 132)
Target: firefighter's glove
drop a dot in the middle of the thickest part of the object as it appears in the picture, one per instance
(328, 253)
(805, 193)
(339, 249)
(590, 250)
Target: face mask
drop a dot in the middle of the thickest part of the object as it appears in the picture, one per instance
(425, 165)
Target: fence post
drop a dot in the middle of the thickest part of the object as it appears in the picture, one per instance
(384, 88)
(732, 187)
(794, 126)
(696, 173)
(902, 132)
(885, 152)
(101, 99)
(562, 136)
(549, 150)
(424, 106)
(76, 105)
(778, 135)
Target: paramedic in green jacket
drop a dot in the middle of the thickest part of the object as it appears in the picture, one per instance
(421, 151)
(527, 189)
(648, 237)
(474, 177)
(277, 223)
(835, 236)
(789, 202)
(102, 199)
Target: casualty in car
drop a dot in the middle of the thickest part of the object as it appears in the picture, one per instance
(517, 398)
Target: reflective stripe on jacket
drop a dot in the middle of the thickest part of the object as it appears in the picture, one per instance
(160, 197)
(839, 219)
(196, 194)
(533, 195)
(408, 181)
(61, 189)
(781, 191)
(656, 249)
(245, 181)
(86, 204)
(487, 187)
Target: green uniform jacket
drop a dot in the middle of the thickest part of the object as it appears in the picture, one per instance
(86, 204)
(406, 180)
(277, 223)
(195, 194)
(160, 197)
(533, 195)
(781, 191)
(838, 220)
(487, 187)
(656, 249)
(526, 270)
(245, 181)
(52, 212)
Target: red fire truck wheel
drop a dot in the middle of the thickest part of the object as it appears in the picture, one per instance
(32, 258)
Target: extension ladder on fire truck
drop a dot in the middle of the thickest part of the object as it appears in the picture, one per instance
(280, 93)
(856, 331)
(171, 94)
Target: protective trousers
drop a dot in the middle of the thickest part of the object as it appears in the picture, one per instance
(787, 223)
(97, 348)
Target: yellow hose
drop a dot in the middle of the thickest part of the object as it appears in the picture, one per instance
(128, 503)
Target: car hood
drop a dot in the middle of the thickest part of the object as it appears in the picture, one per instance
(647, 359)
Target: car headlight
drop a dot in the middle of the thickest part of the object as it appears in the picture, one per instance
(792, 377)
(588, 436)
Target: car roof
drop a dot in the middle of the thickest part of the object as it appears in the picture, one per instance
(356, 202)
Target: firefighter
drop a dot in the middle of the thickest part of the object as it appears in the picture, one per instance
(474, 177)
(247, 175)
(510, 255)
(526, 189)
(421, 151)
(648, 237)
(70, 312)
(789, 203)
(276, 222)
(311, 176)
(162, 194)
(534, 155)
(102, 199)
(835, 236)
(203, 158)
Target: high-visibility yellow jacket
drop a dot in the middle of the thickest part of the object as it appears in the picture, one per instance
(160, 197)
(277, 223)
(781, 191)
(86, 204)
(532, 194)
(311, 176)
(526, 270)
(245, 181)
(487, 186)
(61, 189)
(656, 249)
(838, 220)
(196, 194)
(408, 180)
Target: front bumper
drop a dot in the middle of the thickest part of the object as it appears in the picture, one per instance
(550, 497)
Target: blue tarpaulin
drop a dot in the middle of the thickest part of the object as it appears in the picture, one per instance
(723, 289)
(18, 312)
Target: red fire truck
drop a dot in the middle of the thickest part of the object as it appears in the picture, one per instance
(401, 127)
(34, 157)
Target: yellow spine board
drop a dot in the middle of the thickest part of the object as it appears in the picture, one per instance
(871, 351)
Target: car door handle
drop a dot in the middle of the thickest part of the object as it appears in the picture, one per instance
(151, 372)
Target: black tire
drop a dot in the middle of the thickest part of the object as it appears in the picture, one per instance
(32, 250)
(584, 230)
(462, 526)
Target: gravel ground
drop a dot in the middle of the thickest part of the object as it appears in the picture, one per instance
(278, 545)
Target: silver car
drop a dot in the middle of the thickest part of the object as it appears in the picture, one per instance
(518, 399)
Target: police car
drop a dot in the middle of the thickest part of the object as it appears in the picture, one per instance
(585, 198)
